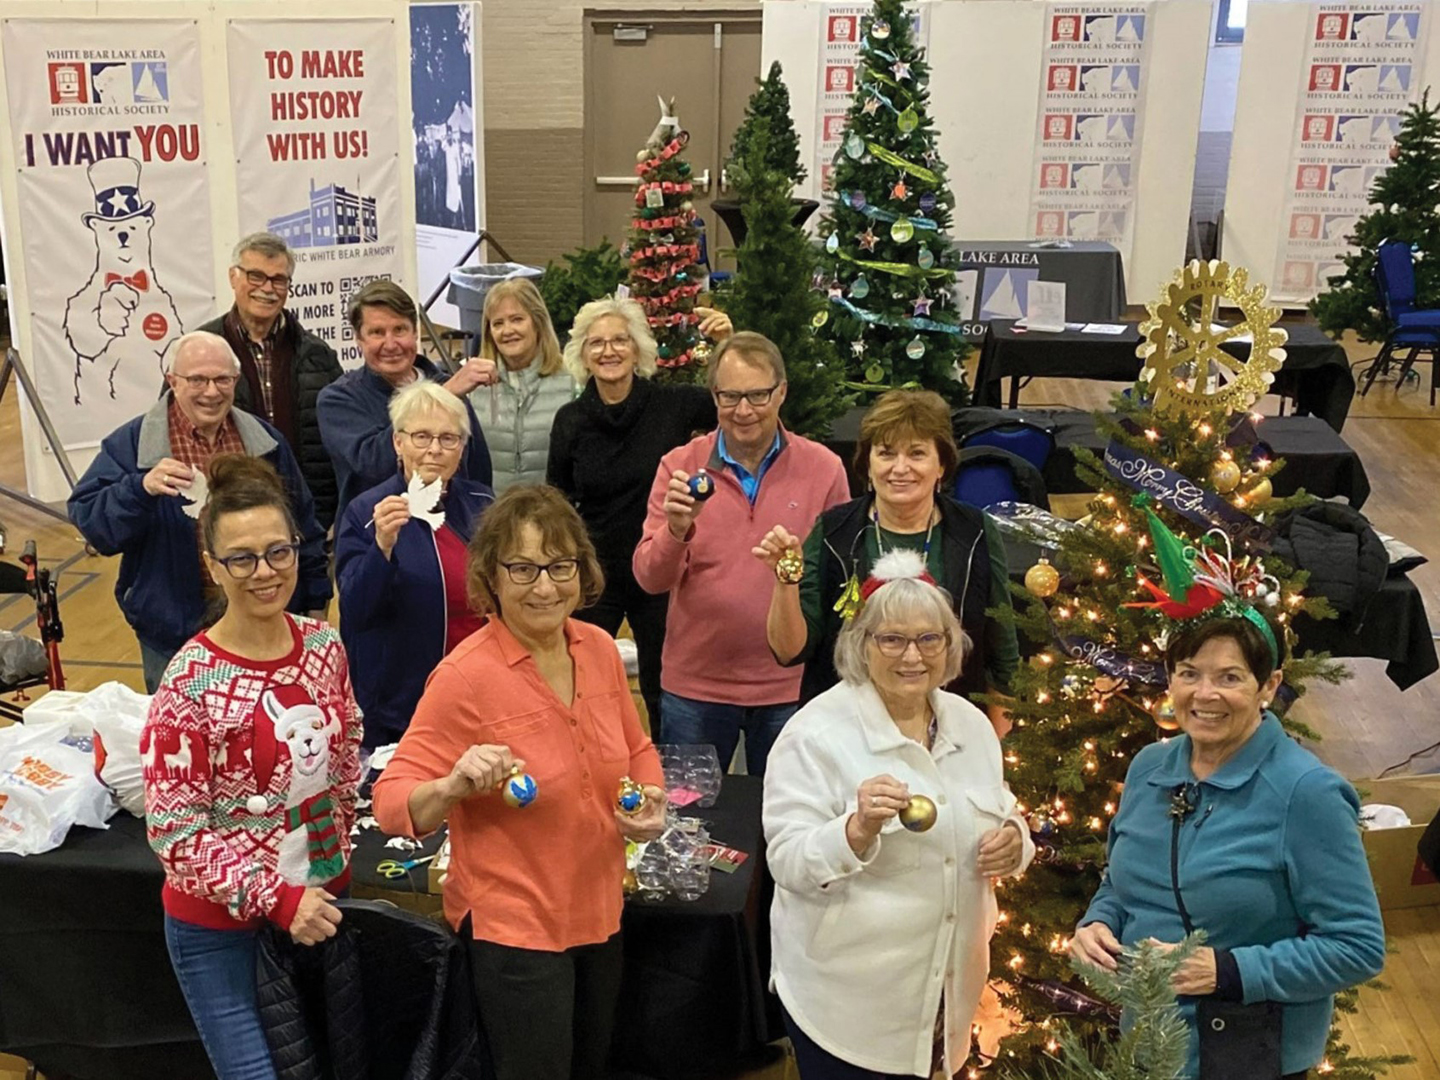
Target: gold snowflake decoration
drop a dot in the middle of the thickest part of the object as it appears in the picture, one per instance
(1185, 367)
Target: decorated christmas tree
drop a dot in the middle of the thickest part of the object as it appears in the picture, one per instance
(1407, 207)
(769, 106)
(664, 249)
(1181, 521)
(772, 294)
(888, 266)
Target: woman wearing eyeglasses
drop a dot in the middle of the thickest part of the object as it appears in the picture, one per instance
(884, 907)
(605, 448)
(400, 564)
(534, 890)
(251, 763)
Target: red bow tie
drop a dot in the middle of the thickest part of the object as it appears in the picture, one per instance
(139, 281)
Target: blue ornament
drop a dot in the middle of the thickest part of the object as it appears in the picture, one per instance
(701, 485)
(857, 200)
(632, 797)
(924, 258)
(519, 789)
(927, 203)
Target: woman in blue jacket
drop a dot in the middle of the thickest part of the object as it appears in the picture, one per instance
(1234, 829)
(401, 569)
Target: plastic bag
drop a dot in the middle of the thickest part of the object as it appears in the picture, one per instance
(47, 784)
(21, 659)
(116, 715)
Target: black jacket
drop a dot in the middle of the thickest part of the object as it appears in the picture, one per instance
(388, 998)
(967, 579)
(312, 368)
(1346, 559)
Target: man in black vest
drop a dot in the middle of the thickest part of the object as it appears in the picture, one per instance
(283, 367)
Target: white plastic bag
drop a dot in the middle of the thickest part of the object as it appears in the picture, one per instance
(116, 714)
(47, 784)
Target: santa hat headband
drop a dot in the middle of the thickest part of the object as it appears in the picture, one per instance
(895, 566)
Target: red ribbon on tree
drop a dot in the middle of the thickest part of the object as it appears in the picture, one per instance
(673, 147)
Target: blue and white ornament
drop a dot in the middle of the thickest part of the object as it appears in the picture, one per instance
(519, 789)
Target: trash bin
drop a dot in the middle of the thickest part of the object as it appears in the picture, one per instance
(468, 286)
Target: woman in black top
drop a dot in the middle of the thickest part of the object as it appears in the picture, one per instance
(604, 449)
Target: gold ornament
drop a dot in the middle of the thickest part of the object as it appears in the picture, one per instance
(1042, 579)
(919, 814)
(790, 568)
(1261, 492)
(642, 155)
(1164, 713)
(1224, 476)
(1182, 342)
(630, 883)
(701, 352)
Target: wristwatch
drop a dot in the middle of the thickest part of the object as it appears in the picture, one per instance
(791, 567)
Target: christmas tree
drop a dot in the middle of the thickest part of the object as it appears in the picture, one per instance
(1183, 470)
(1407, 207)
(664, 250)
(888, 266)
(769, 107)
(772, 295)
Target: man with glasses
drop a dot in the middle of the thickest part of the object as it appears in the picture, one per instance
(283, 367)
(142, 495)
(718, 675)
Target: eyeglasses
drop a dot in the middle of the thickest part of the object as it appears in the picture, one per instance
(729, 399)
(244, 565)
(199, 382)
(527, 573)
(278, 282)
(893, 645)
(421, 440)
(600, 346)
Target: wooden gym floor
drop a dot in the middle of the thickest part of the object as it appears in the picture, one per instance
(1367, 724)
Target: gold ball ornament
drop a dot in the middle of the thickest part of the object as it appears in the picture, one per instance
(919, 815)
(1224, 476)
(790, 567)
(1185, 369)
(1164, 713)
(1042, 579)
(630, 883)
(1261, 492)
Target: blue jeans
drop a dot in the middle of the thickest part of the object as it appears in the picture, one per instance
(687, 722)
(216, 970)
(153, 663)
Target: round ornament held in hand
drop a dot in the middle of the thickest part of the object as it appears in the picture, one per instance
(902, 231)
(701, 485)
(1225, 476)
(919, 815)
(1042, 579)
(630, 883)
(1164, 713)
(519, 789)
(790, 567)
(924, 258)
(631, 799)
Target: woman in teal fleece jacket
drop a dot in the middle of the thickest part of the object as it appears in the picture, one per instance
(1270, 863)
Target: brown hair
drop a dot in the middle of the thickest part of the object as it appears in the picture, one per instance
(524, 293)
(561, 533)
(1191, 637)
(907, 414)
(238, 483)
(750, 348)
(386, 294)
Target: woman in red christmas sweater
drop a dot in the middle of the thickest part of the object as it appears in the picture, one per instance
(251, 764)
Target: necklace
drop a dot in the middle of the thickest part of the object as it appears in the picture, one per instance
(880, 541)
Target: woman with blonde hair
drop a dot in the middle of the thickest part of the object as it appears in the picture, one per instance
(605, 448)
(518, 410)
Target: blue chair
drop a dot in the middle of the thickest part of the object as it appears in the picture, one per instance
(1412, 330)
(1020, 437)
(981, 485)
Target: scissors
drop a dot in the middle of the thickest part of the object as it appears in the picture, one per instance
(392, 869)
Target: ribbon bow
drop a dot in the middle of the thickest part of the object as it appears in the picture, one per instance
(139, 281)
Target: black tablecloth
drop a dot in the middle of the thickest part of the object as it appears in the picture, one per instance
(86, 986)
(993, 277)
(1316, 372)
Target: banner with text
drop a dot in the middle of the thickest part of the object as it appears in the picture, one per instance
(114, 209)
(1087, 147)
(1362, 68)
(314, 110)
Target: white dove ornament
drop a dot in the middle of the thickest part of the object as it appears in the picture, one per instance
(194, 498)
(424, 500)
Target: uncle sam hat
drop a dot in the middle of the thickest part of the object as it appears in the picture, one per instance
(116, 182)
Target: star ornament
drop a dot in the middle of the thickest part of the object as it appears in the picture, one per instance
(901, 70)
(868, 240)
(922, 307)
(899, 191)
(857, 347)
(871, 106)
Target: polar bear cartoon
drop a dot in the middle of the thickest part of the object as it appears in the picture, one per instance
(122, 314)
(310, 852)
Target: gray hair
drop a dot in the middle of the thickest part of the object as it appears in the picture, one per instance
(751, 348)
(266, 244)
(636, 325)
(897, 601)
(194, 340)
(423, 396)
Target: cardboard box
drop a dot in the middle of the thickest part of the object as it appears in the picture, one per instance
(1402, 880)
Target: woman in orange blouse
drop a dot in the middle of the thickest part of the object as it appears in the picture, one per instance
(536, 890)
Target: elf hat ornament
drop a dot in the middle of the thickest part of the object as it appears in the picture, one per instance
(892, 566)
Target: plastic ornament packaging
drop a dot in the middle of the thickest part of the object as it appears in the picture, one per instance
(919, 815)
(1042, 579)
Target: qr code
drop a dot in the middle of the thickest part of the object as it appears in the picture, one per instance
(349, 286)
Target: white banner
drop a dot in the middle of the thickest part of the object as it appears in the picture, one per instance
(1362, 67)
(114, 209)
(1087, 149)
(449, 157)
(314, 110)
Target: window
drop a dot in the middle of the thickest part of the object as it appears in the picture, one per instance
(1230, 21)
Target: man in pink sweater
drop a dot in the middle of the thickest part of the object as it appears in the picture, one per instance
(718, 676)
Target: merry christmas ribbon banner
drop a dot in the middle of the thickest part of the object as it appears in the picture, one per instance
(1109, 660)
(1187, 498)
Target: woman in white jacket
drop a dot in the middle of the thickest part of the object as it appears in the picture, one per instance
(881, 935)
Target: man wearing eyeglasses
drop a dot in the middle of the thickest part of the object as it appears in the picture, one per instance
(283, 367)
(718, 676)
(142, 495)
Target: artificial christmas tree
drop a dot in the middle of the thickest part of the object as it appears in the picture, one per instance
(1407, 207)
(888, 267)
(664, 250)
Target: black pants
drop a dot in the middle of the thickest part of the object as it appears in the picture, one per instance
(624, 599)
(548, 1015)
(814, 1063)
